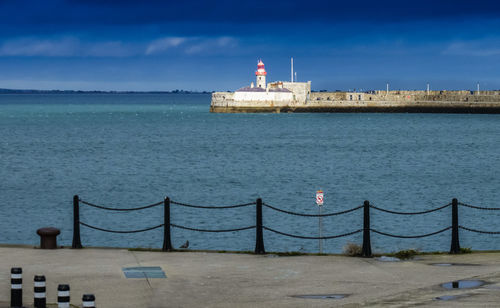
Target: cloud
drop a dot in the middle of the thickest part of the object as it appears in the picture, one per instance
(483, 48)
(109, 49)
(212, 45)
(66, 47)
(191, 45)
(40, 47)
(164, 44)
(74, 47)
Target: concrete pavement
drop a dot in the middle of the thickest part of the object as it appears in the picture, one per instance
(201, 279)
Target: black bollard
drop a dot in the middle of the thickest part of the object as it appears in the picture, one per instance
(63, 296)
(88, 301)
(167, 242)
(16, 291)
(455, 242)
(259, 236)
(39, 291)
(77, 243)
(367, 246)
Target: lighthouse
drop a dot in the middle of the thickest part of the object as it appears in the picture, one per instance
(261, 75)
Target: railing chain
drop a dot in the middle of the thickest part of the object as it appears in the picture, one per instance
(478, 231)
(311, 237)
(204, 230)
(120, 209)
(411, 236)
(212, 207)
(480, 207)
(115, 231)
(409, 213)
(311, 215)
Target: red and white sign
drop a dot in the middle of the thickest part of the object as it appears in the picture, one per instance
(319, 197)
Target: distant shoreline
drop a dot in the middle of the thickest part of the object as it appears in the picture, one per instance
(18, 91)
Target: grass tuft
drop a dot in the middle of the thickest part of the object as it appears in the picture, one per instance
(465, 250)
(406, 254)
(352, 249)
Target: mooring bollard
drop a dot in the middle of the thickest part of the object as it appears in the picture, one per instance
(88, 301)
(48, 237)
(16, 291)
(167, 241)
(455, 242)
(367, 246)
(77, 243)
(39, 291)
(259, 240)
(63, 296)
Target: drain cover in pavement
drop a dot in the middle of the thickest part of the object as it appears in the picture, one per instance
(322, 296)
(450, 297)
(453, 264)
(144, 272)
(463, 284)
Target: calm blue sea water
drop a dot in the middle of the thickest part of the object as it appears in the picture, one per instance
(130, 150)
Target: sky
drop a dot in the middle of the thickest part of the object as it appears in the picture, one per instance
(154, 45)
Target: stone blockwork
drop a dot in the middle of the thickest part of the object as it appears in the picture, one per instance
(278, 98)
(301, 90)
(374, 101)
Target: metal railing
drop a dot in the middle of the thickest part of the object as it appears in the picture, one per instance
(260, 227)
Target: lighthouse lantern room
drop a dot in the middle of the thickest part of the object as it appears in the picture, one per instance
(261, 75)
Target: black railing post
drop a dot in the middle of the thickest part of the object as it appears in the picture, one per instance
(455, 242)
(259, 241)
(167, 242)
(77, 243)
(367, 246)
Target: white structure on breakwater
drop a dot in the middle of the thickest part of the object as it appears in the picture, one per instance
(269, 94)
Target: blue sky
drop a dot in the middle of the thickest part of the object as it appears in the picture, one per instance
(215, 45)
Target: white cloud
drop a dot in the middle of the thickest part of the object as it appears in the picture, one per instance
(226, 41)
(109, 49)
(74, 47)
(190, 45)
(40, 47)
(65, 47)
(164, 44)
(211, 45)
(480, 48)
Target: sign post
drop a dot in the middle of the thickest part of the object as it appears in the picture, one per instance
(319, 202)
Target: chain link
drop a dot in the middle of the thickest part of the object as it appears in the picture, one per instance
(409, 213)
(120, 209)
(212, 207)
(311, 237)
(311, 215)
(204, 230)
(114, 231)
(410, 236)
(480, 207)
(478, 231)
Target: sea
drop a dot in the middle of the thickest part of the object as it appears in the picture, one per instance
(131, 150)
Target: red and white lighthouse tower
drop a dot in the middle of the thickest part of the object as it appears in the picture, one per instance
(261, 75)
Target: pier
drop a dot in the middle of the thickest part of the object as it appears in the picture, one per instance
(202, 279)
(289, 97)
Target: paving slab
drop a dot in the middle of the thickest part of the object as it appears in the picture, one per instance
(205, 279)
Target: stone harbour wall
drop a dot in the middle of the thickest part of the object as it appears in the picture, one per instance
(376, 101)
